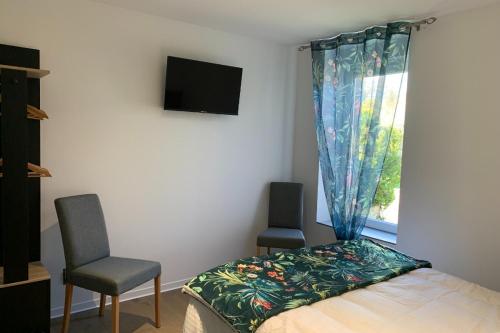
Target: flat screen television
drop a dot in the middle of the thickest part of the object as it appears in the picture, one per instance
(198, 86)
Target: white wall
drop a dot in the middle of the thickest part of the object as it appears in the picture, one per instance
(450, 182)
(188, 190)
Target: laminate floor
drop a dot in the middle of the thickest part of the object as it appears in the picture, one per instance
(136, 315)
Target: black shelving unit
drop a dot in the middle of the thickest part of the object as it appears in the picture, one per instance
(24, 282)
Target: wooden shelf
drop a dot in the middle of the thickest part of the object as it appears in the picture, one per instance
(36, 272)
(32, 73)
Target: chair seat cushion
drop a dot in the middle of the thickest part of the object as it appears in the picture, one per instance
(114, 275)
(282, 238)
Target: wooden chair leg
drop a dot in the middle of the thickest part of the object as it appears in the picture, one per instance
(115, 304)
(157, 301)
(102, 305)
(258, 251)
(67, 307)
(268, 250)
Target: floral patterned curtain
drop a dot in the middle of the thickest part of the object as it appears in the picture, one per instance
(353, 119)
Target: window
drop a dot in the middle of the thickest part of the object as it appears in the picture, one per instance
(383, 218)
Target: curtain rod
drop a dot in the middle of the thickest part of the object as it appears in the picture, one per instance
(415, 24)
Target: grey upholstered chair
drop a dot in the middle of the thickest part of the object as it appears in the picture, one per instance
(285, 218)
(88, 261)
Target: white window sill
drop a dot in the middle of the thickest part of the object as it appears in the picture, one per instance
(384, 236)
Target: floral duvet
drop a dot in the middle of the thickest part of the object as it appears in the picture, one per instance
(248, 291)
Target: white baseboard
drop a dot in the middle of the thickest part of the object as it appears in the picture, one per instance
(134, 293)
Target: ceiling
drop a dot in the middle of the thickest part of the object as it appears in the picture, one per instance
(294, 21)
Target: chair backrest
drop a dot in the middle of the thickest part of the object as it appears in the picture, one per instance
(286, 205)
(83, 229)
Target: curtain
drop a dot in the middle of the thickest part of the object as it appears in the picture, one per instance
(354, 118)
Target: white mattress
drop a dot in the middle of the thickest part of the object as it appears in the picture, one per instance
(423, 300)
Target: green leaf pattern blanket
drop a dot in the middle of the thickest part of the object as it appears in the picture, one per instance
(248, 291)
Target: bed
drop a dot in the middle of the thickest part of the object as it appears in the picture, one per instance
(377, 290)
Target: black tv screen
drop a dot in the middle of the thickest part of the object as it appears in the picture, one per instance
(198, 86)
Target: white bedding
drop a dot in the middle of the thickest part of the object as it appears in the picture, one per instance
(423, 300)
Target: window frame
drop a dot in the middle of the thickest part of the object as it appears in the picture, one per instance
(381, 225)
(376, 229)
